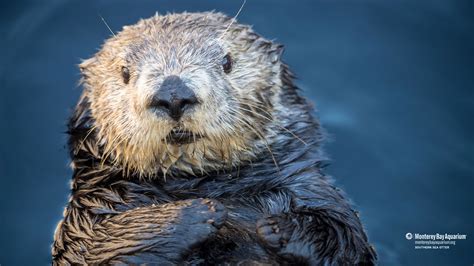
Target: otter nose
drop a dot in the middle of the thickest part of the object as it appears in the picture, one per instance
(174, 97)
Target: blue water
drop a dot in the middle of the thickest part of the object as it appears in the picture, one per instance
(393, 83)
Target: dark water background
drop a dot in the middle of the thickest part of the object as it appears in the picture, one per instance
(393, 82)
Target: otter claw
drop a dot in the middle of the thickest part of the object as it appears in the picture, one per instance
(275, 232)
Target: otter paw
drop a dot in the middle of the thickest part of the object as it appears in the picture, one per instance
(275, 231)
(208, 211)
(199, 219)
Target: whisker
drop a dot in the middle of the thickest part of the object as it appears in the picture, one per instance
(279, 126)
(259, 135)
(87, 135)
(109, 151)
(107, 25)
(233, 19)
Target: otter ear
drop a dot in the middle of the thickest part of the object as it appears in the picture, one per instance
(86, 66)
(276, 50)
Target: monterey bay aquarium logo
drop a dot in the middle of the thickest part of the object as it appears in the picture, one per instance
(434, 241)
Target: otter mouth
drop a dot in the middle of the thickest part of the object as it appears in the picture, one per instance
(179, 136)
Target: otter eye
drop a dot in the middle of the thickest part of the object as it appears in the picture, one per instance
(227, 63)
(125, 74)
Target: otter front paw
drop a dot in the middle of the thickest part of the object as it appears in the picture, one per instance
(204, 211)
(200, 218)
(275, 231)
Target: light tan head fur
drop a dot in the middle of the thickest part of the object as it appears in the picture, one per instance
(236, 111)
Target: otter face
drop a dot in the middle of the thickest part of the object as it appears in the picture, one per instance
(188, 91)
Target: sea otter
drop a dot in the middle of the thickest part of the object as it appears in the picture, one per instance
(191, 145)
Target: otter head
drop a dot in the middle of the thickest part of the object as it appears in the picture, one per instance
(190, 91)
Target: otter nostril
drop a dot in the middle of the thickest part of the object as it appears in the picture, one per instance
(174, 97)
(188, 102)
(163, 104)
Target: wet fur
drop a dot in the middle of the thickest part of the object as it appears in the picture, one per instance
(262, 201)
